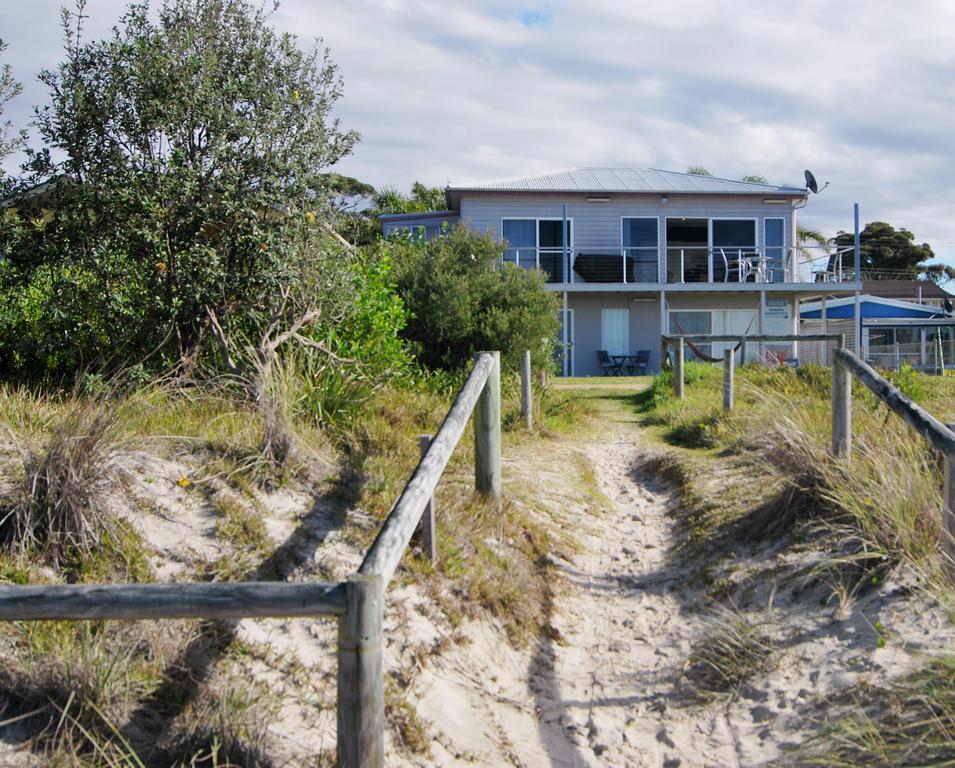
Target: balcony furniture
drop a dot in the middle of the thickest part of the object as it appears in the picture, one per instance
(639, 363)
(610, 366)
(635, 365)
(748, 267)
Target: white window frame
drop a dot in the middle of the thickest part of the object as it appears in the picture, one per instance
(537, 238)
(791, 266)
(666, 246)
(711, 246)
(660, 267)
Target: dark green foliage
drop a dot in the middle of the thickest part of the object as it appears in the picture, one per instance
(421, 199)
(887, 251)
(461, 301)
(192, 144)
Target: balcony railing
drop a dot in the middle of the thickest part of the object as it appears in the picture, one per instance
(676, 265)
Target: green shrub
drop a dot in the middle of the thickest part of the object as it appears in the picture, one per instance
(461, 302)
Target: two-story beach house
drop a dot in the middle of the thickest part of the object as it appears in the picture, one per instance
(638, 252)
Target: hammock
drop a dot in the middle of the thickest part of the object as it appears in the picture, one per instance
(699, 353)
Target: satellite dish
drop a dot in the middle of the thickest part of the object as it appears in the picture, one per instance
(812, 184)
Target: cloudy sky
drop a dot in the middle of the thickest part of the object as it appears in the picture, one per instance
(863, 93)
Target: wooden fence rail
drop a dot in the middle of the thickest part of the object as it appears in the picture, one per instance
(845, 367)
(678, 344)
(357, 601)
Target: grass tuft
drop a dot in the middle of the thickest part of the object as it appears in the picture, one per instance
(910, 722)
(62, 511)
(734, 648)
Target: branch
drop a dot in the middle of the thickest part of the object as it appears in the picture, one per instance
(223, 342)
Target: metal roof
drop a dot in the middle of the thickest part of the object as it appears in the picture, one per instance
(870, 307)
(624, 180)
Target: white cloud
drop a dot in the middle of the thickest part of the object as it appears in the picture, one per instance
(862, 92)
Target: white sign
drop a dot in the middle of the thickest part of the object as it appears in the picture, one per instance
(777, 308)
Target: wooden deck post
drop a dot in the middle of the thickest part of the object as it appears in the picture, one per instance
(948, 510)
(729, 372)
(427, 530)
(841, 410)
(678, 369)
(487, 435)
(361, 701)
(526, 402)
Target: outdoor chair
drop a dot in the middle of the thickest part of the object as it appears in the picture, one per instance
(638, 366)
(610, 367)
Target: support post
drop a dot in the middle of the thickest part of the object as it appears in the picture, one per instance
(526, 401)
(729, 373)
(427, 530)
(841, 411)
(948, 511)
(678, 369)
(361, 701)
(487, 435)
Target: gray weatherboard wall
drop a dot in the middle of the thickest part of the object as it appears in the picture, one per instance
(588, 327)
(598, 225)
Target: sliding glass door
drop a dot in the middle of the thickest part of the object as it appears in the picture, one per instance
(733, 249)
(538, 243)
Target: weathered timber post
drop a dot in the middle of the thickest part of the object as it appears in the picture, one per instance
(427, 529)
(948, 510)
(361, 701)
(527, 407)
(841, 410)
(487, 435)
(742, 350)
(729, 373)
(678, 369)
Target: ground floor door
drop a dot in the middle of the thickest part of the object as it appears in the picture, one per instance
(615, 331)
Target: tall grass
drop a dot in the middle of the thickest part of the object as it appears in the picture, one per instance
(884, 504)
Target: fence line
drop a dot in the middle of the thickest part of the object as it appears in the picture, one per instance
(846, 366)
(678, 343)
(357, 601)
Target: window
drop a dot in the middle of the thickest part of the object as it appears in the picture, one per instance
(687, 323)
(640, 241)
(533, 243)
(718, 322)
(774, 241)
(731, 238)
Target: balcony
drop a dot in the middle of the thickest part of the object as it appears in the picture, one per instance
(682, 265)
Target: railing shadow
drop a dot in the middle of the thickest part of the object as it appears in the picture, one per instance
(183, 678)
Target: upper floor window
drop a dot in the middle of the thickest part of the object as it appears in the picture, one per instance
(538, 244)
(640, 238)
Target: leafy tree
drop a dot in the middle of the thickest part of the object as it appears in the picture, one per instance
(754, 178)
(421, 199)
(9, 89)
(193, 142)
(698, 170)
(461, 301)
(889, 251)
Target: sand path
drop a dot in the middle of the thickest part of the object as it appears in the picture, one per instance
(602, 684)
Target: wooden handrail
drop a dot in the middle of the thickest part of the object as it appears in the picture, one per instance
(392, 540)
(764, 337)
(938, 434)
(204, 600)
(357, 602)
